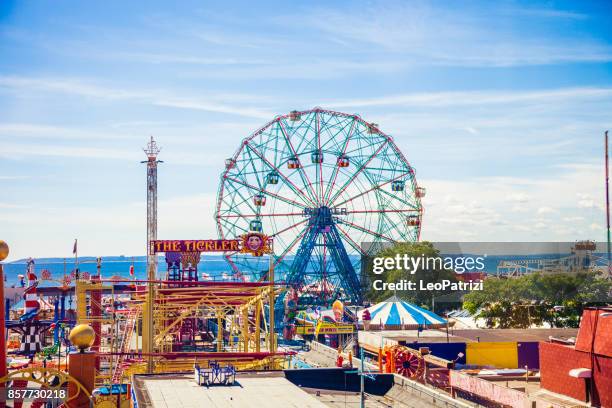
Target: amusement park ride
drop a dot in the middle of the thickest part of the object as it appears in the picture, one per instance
(319, 183)
(295, 201)
(581, 257)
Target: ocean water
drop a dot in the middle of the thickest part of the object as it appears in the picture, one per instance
(111, 266)
(215, 266)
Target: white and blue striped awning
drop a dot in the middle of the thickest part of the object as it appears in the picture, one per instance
(396, 312)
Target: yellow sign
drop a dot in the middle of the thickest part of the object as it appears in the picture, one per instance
(199, 245)
(324, 328)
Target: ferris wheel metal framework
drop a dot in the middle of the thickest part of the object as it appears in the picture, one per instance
(319, 183)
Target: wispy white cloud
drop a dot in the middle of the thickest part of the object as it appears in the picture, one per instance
(176, 58)
(10, 150)
(3, 177)
(489, 210)
(123, 140)
(519, 131)
(545, 210)
(518, 197)
(481, 98)
(433, 35)
(211, 106)
(68, 86)
(62, 224)
(315, 69)
(542, 12)
(573, 219)
(20, 131)
(216, 104)
(588, 203)
(12, 206)
(213, 158)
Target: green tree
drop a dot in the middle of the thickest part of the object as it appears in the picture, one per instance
(554, 298)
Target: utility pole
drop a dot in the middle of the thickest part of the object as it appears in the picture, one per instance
(362, 374)
(271, 302)
(152, 150)
(608, 204)
(361, 379)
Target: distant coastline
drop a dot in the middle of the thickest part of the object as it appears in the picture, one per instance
(213, 265)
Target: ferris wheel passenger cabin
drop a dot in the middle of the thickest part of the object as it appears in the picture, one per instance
(259, 200)
(317, 156)
(343, 161)
(420, 192)
(293, 163)
(229, 163)
(373, 128)
(272, 178)
(413, 221)
(255, 226)
(398, 185)
(294, 116)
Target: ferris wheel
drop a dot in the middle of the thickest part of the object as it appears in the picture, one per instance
(320, 184)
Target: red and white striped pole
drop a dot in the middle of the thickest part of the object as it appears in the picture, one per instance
(31, 303)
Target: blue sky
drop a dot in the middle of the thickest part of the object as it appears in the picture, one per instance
(500, 107)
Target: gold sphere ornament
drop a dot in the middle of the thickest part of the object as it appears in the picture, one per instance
(4, 250)
(82, 336)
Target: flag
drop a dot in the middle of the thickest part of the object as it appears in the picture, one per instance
(74, 249)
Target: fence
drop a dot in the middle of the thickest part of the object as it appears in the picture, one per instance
(487, 389)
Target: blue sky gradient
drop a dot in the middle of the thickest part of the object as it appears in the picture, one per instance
(500, 107)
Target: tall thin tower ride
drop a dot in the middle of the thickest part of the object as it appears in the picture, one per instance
(152, 150)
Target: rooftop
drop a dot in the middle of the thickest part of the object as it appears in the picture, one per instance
(338, 388)
(265, 389)
(475, 335)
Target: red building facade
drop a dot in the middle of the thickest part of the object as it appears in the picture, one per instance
(582, 371)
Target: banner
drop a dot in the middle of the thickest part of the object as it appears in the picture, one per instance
(324, 328)
(252, 243)
(198, 245)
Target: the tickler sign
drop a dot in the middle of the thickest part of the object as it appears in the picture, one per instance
(254, 243)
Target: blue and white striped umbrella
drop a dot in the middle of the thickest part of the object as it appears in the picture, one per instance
(396, 312)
